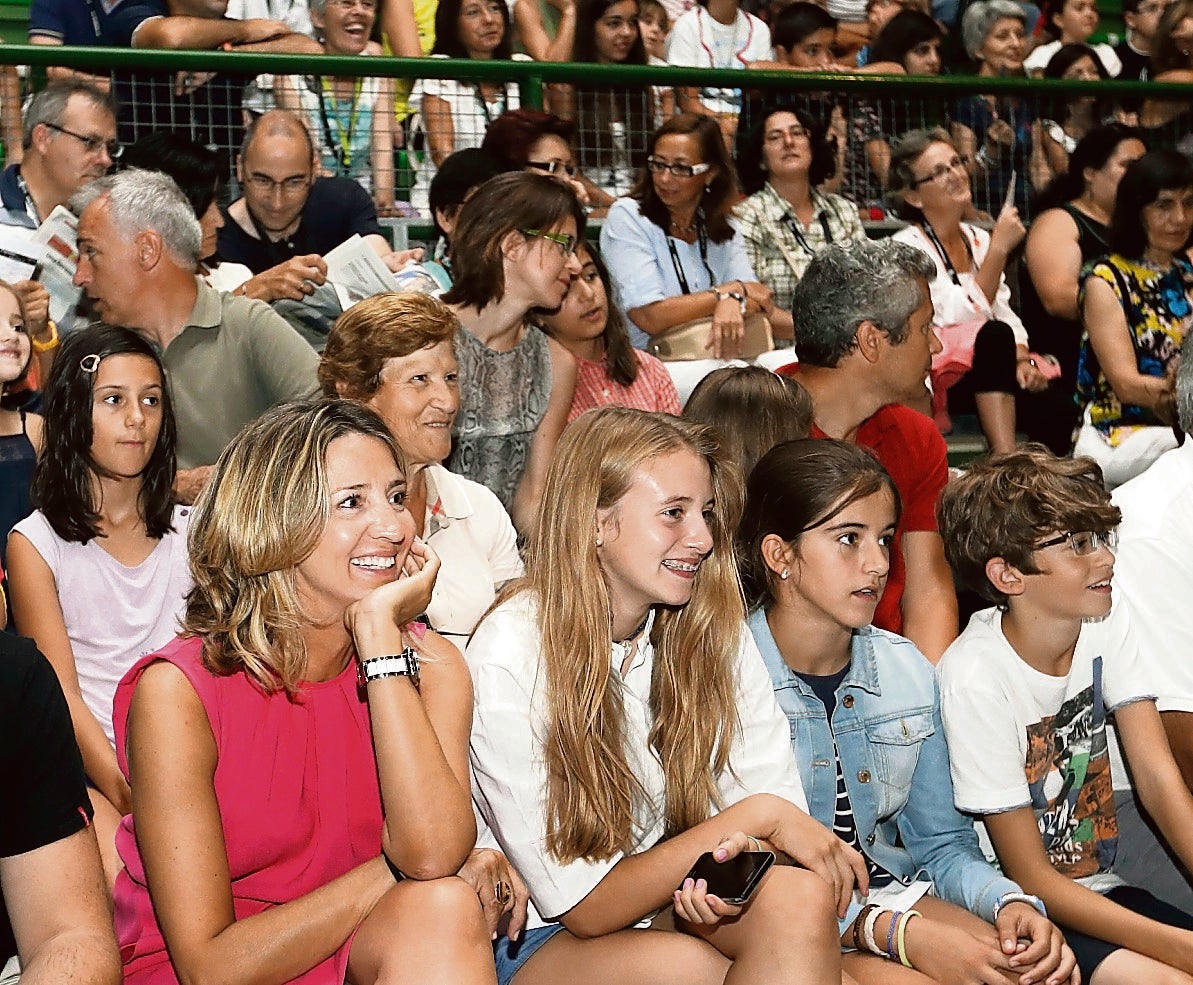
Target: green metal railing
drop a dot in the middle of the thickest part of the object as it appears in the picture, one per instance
(852, 92)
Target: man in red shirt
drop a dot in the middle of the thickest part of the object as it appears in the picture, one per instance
(864, 336)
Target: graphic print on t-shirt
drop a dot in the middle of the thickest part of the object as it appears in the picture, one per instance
(1068, 775)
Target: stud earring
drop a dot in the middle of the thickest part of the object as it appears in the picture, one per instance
(600, 543)
(784, 573)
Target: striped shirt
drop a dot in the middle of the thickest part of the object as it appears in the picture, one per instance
(652, 390)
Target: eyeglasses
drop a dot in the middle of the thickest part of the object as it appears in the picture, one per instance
(1083, 543)
(796, 132)
(565, 241)
(552, 167)
(267, 186)
(92, 144)
(657, 166)
(956, 163)
(368, 6)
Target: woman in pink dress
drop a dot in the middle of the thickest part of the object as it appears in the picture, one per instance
(298, 757)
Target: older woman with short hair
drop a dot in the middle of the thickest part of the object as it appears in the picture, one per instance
(396, 354)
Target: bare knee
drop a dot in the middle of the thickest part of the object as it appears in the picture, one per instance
(796, 900)
(448, 902)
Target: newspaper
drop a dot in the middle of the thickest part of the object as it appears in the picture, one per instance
(58, 257)
(18, 254)
(356, 272)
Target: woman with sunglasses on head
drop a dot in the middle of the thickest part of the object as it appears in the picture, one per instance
(672, 251)
(513, 250)
(786, 221)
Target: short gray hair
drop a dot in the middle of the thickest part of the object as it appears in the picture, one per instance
(1184, 387)
(49, 105)
(981, 17)
(882, 282)
(140, 200)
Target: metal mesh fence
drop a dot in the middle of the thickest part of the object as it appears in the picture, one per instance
(1008, 130)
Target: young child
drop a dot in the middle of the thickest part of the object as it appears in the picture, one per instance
(1025, 691)
(654, 25)
(814, 551)
(1068, 22)
(99, 572)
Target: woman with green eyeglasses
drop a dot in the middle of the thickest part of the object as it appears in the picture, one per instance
(513, 251)
(672, 252)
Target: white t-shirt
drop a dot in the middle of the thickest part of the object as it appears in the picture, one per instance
(698, 39)
(509, 774)
(1038, 60)
(114, 614)
(1020, 738)
(468, 528)
(1154, 568)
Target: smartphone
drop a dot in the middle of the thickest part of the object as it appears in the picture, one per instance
(735, 879)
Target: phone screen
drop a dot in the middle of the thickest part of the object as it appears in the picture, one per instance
(733, 880)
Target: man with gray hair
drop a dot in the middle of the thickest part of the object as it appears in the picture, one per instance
(863, 327)
(228, 359)
(1153, 573)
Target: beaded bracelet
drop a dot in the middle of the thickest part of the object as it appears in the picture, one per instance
(900, 939)
(890, 936)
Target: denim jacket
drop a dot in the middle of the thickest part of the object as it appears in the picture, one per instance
(895, 763)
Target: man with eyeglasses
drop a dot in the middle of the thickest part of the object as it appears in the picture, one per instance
(287, 219)
(1154, 573)
(68, 140)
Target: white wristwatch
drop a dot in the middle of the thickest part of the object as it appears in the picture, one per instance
(1027, 898)
(404, 664)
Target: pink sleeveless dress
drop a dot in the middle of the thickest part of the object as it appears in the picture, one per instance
(296, 782)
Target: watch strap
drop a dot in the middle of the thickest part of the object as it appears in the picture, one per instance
(404, 664)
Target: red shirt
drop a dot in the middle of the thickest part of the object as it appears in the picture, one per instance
(913, 452)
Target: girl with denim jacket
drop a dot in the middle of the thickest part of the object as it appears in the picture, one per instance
(814, 548)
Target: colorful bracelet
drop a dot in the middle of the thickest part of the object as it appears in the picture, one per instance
(890, 937)
(900, 939)
(51, 343)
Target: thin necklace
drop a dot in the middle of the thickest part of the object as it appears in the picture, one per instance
(637, 632)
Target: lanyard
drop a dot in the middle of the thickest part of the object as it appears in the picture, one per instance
(948, 264)
(342, 154)
(793, 228)
(501, 94)
(702, 236)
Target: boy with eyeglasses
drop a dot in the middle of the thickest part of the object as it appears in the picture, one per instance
(1025, 694)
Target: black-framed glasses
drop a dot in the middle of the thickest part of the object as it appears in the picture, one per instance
(956, 163)
(565, 241)
(657, 166)
(93, 145)
(1083, 542)
(553, 167)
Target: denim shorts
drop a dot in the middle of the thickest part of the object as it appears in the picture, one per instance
(511, 955)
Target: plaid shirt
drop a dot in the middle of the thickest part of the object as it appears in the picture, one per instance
(760, 220)
(652, 390)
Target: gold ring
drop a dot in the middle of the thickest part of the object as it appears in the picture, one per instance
(502, 892)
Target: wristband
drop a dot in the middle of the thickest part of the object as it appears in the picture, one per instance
(51, 343)
(900, 937)
(868, 931)
(857, 924)
(1020, 898)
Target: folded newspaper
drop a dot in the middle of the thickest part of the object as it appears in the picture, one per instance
(58, 239)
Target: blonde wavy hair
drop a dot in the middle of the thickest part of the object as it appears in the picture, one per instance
(592, 791)
(260, 515)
